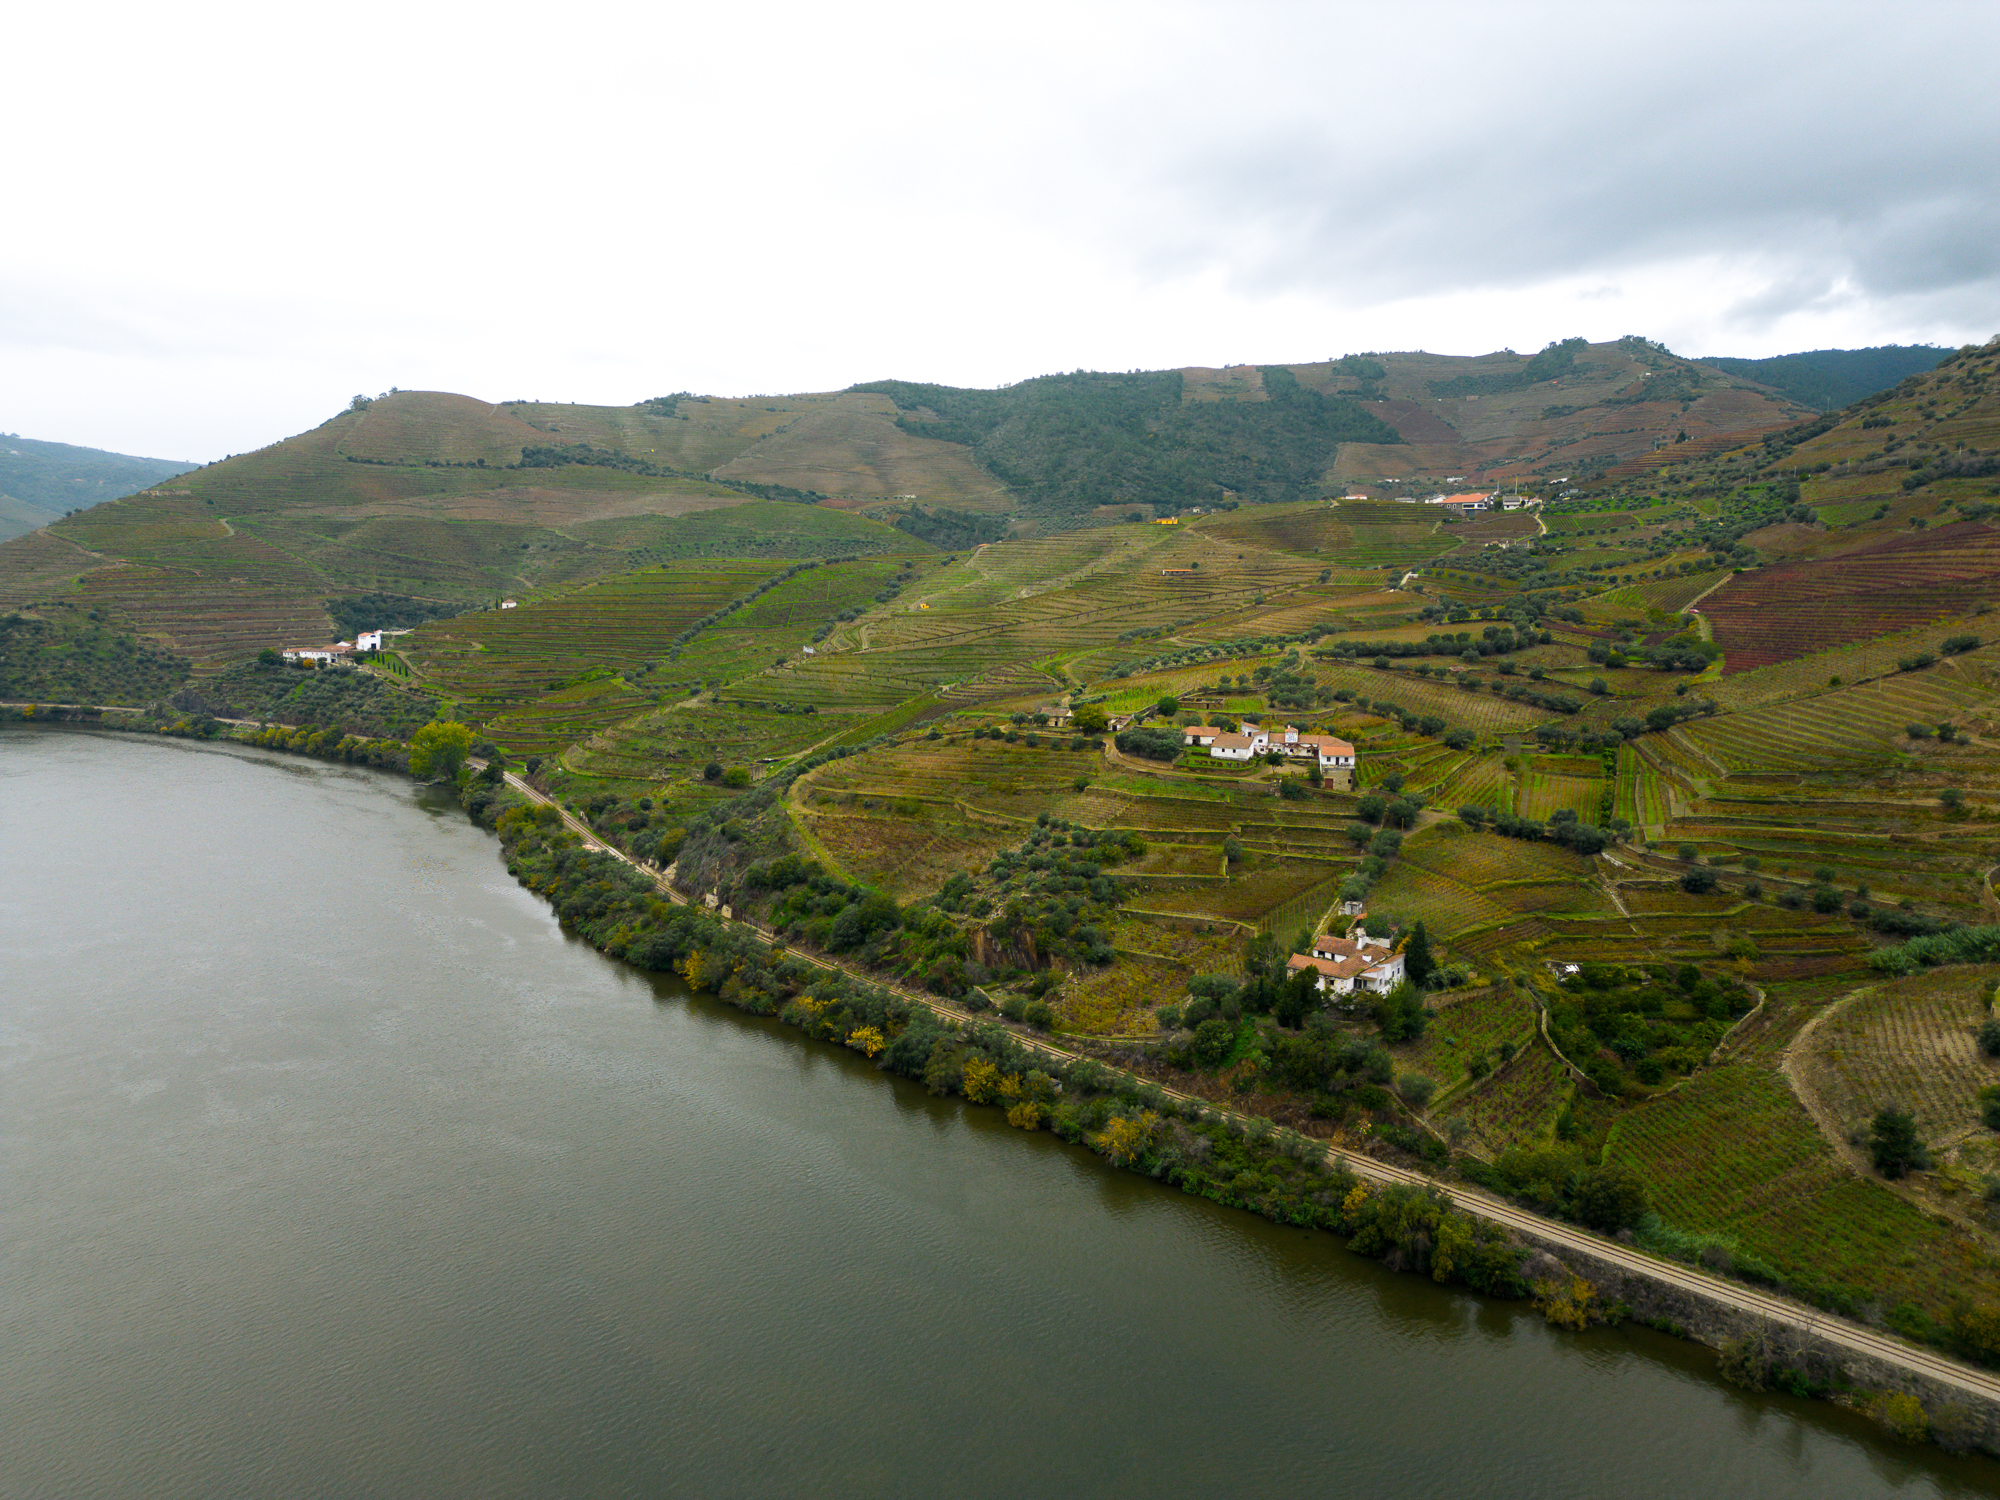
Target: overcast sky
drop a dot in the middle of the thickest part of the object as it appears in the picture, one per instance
(224, 220)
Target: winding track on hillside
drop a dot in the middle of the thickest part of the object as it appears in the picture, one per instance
(1974, 1382)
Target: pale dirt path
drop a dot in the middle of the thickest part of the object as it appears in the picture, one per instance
(1792, 1064)
(1763, 1305)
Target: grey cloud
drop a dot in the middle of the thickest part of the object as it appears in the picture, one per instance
(1830, 152)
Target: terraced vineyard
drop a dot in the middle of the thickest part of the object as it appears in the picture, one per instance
(1732, 1150)
(1797, 609)
(522, 671)
(1908, 1043)
(1475, 1024)
(1518, 1104)
(1852, 729)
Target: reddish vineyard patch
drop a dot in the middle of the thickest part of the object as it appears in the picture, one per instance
(1795, 609)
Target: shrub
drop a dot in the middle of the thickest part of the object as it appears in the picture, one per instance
(1698, 882)
(1151, 744)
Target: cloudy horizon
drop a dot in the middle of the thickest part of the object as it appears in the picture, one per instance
(228, 220)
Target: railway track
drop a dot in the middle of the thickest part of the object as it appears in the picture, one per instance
(1839, 1332)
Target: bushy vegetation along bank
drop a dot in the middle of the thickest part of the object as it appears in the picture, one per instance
(1251, 1165)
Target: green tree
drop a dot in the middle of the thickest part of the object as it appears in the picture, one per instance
(1090, 719)
(1895, 1144)
(439, 749)
(1989, 1036)
(1169, 705)
(1417, 960)
(1610, 1197)
(1212, 1039)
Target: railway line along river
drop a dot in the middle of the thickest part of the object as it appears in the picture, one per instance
(333, 1168)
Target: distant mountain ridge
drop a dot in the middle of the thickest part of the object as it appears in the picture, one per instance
(42, 482)
(1828, 379)
(437, 501)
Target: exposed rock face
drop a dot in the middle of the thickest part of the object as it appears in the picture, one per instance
(1016, 952)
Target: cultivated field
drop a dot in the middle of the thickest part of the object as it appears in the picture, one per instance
(1909, 1044)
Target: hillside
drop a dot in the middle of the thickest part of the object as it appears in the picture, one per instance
(1573, 411)
(1828, 379)
(1855, 526)
(418, 496)
(1073, 447)
(1555, 768)
(41, 482)
(443, 501)
(1716, 728)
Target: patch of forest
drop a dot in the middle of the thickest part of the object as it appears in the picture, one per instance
(1070, 443)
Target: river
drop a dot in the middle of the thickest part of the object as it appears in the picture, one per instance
(331, 1167)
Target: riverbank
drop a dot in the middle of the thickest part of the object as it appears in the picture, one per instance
(1453, 1234)
(1765, 1340)
(370, 1180)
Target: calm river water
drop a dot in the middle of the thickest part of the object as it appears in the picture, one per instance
(332, 1168)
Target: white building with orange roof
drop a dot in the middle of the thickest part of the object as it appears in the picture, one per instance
(1345, 965)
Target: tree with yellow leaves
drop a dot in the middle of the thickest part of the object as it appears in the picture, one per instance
(703, 971)
(867, 1041)
(1124, 1140)
(1567, 1303)
(982, 1080)
(1027, 1115)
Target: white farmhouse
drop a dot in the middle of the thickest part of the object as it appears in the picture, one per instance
(1347, 964)
(1238, 747)
(1331, 752)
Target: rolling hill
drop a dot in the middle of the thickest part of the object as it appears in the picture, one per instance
(42, 482)
(417, 495)
(441, 498)
(1828, 379)
(1068, 446)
